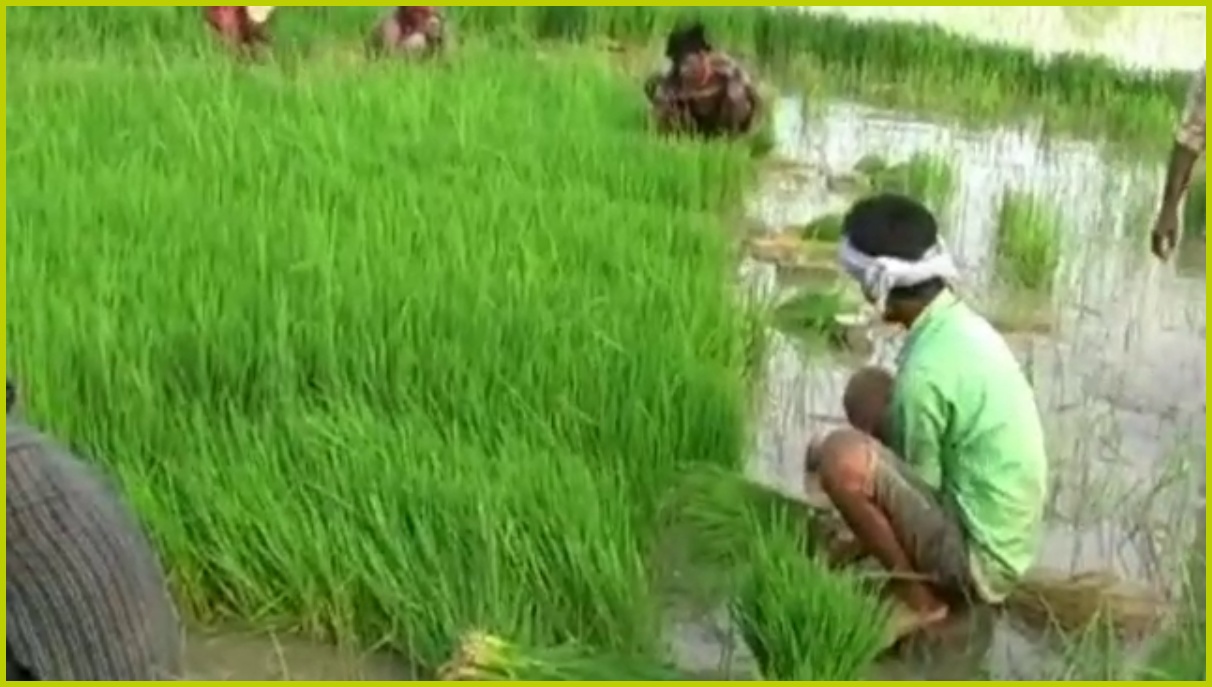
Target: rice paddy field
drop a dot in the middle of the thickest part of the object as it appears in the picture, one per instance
(389, 355)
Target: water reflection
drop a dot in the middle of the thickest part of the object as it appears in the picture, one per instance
(1121, 378)
(1135, 37)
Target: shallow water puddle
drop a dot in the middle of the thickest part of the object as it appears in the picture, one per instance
(243, 656)
(1120, 379)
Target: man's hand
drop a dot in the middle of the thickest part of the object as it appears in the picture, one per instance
(1165, 234)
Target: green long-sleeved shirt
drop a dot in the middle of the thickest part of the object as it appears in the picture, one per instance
(964, 417)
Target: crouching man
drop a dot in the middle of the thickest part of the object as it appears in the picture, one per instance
(409, 32)
(704, 92)
(943, 474)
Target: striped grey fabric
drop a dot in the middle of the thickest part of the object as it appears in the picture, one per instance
(87, 598)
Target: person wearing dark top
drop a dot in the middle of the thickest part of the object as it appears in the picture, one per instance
(87, 597)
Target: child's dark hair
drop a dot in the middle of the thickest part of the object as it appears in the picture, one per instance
(894, 226)
(686, 39)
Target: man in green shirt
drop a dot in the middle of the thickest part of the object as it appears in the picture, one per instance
(946, 486)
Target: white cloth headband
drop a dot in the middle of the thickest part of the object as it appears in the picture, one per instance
(879, 276)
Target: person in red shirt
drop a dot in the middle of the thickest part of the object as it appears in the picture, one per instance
(242, 28)
(409, 31)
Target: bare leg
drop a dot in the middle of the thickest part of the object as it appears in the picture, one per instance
(847, 476)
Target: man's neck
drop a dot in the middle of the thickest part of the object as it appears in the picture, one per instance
(909, 313)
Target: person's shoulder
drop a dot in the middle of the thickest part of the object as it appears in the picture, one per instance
(965, 346)
(39, 469)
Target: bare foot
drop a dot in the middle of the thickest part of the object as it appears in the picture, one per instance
(905, 621)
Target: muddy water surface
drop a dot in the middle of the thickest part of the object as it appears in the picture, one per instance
(1119, 378)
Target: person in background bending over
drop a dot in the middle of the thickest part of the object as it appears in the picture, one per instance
(87, 598)
(704, 91)
(942, 475)
(409, 31)
(244, 29)
(1188, 148)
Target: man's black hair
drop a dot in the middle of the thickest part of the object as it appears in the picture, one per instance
(686, 39)
(894, 226)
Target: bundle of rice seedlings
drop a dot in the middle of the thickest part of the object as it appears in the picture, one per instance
(803, 621)
(716, 514)
(1049, 600)
(484, 657)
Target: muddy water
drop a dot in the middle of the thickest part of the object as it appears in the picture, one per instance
(245, 656)
(1120, 378)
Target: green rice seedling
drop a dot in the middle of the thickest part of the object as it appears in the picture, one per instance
(1181, 654)
(1028, 242)
(483, 657)
(803, 621)
(763, 141)
(926, 178)
(826, 229)
(811, 315)
(754, 546)
(924, 69)
(402, 352)
(715, 513)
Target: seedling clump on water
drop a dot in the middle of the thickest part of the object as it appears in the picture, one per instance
(1028, 242)
(926, 178)
(803, 621)
(755, 549)
(826, 229)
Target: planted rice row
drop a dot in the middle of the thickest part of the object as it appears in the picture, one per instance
(888, 52)
(382, 355)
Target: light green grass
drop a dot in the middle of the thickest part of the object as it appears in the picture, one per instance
(755, 549)
(929, 179)
(922, 69)
(1028, 242)
(379, 354)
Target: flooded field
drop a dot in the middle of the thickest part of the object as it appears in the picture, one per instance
(1120, 373)
(1120, 377)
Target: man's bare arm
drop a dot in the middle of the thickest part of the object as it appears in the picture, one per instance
(1178, 176)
